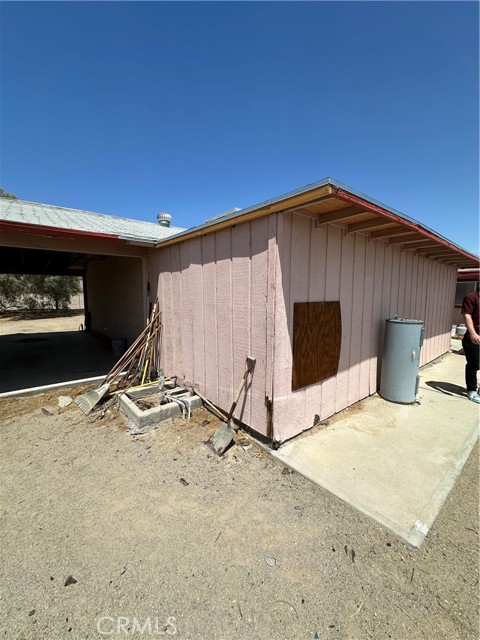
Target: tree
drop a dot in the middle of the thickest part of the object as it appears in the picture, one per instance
(37, 292)
(57, 290)
(11, 291)
(6, 194)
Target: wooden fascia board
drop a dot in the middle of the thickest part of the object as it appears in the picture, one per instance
(309, 197)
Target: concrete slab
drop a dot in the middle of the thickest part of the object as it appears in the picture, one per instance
(38, 359)
(395, 463)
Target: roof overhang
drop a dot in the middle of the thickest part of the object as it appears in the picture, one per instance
(53, 232)
(330, 202)
(73, 234)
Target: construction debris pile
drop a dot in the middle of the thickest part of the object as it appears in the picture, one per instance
(137, 366)
(145, 396)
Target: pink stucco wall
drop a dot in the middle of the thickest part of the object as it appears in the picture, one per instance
(230, 294)
(373, 282)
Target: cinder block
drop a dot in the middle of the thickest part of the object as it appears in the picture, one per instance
(141, 421)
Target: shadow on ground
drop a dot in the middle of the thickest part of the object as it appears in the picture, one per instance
(37, 359)
(447, 388)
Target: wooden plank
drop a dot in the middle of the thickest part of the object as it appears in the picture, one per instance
(401, 285)
(346, 303)
(420, 244)
(196, 294)
(168, 320)
(316, 342)
(370, 225)
(394, 287)
(412, 284)
(390, 232)
(367, 355)
(210, 325)
(299, 287)
(376, 338)
(429, 298)
(241, 310)
(260, 236)
(356, 332)
(316, 293)
(332, 292)
(403, 239)
(223, 275)
(177, 351)
(268, 391)
(341, 214)
(187, 315)
(283, 349)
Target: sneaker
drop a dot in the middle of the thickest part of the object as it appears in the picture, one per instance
(473, 396)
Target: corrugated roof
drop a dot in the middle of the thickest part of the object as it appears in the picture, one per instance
(35, 213)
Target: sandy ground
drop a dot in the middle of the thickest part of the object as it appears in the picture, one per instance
(9, 324)
(156, 526)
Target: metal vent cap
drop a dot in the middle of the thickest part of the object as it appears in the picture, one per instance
(164, 219)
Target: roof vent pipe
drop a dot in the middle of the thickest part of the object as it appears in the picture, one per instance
(164, 219)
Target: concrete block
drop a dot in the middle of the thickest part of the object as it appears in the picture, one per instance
(143, 420)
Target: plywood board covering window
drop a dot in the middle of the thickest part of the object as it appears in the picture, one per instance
(317, 337)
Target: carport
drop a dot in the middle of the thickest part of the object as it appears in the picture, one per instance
(109, 253)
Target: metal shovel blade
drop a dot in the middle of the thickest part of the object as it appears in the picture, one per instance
(221, 439)
(88, 400)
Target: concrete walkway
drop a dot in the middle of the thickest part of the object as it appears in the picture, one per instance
(395, 463)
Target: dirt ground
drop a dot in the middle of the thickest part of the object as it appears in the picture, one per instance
(12, 324)
(102, 529)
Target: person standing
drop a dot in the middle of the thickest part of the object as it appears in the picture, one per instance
(471, 343)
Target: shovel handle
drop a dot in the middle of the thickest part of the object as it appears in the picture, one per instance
(240, 389)
(209, 404)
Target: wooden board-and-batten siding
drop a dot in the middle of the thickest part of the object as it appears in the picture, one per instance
(231, 293)
(373, 282)
(216, 296)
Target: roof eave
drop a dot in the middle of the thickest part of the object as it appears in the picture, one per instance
(328, 188)
(298, 197)
(54, 232)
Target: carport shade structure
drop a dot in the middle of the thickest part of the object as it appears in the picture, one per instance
(109, 252)
(303, 283)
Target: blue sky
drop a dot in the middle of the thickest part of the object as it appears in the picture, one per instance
(195, 108)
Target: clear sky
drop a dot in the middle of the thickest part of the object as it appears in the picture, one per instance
(195, 108)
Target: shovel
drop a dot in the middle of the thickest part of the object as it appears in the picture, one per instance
(224, 436)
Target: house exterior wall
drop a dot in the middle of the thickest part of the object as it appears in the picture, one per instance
(230, 294)
(373, 282)
(216, 298)
(116, 296)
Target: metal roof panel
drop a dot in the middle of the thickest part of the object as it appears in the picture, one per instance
(36, 213)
